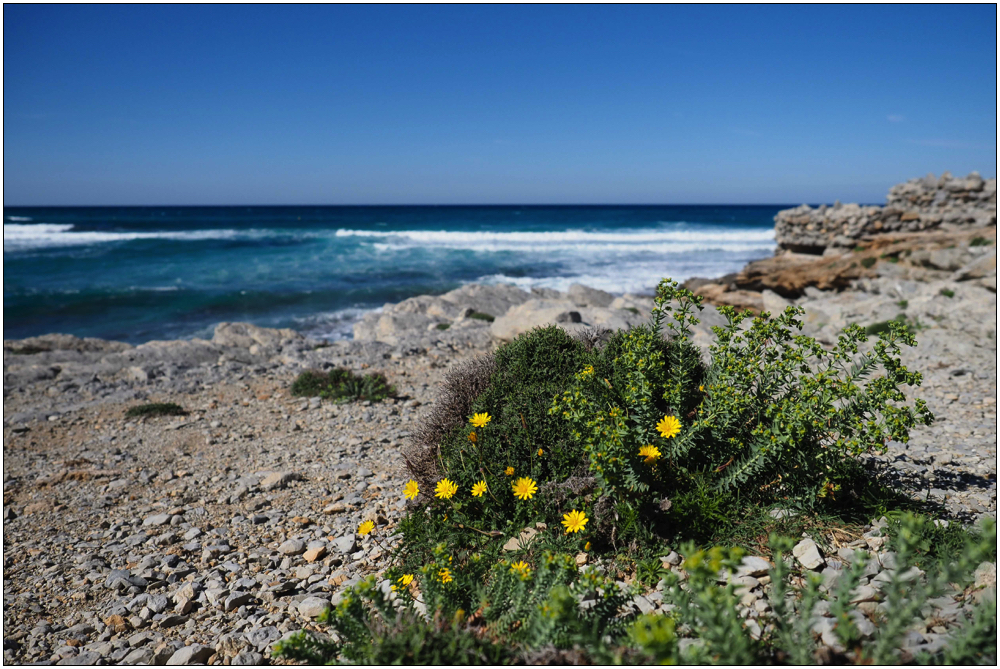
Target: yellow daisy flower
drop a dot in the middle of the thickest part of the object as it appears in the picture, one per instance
(411, 490)
(473, 438)
(540, 452)
(445, 489)
(521, 568)
(366, 528)
(405, 579)
(509, 471)
(480, 419)
(701, 389)
(574, 521)
(668, 427)
(445, 575)
(650, 452)
(524, 488)
(478, 489)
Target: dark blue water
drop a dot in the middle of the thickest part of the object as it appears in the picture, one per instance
(142, 273)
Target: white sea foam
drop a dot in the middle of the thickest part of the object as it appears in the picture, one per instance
(21, 237)
(331, 325)
(19, 219)
(623, 241)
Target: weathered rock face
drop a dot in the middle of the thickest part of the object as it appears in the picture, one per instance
(946, 203)
(457, 308)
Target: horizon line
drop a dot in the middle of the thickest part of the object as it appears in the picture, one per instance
(452, 204)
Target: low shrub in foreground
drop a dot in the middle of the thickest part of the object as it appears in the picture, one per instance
(155, 409)
(342, 385)
(545, 610)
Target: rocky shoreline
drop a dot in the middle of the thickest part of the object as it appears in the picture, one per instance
(207, 537)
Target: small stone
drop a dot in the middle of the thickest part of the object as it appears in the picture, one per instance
(986, 575)
(173, 621)
(278, 480)
(753, 566)
(247, 658)
(156, 520)
(314, 554)
(346, 543)
(195, 653)
(672, 559)
(312, 607)
(236, 600)
(581, 559)
(85, 658)
(292, 547)
(807, 553)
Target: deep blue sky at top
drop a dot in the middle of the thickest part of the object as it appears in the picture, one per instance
(491, 104)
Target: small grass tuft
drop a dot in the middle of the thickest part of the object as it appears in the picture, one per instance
(883, 326)
(980, 241)
(480, 316)
(27, 350)
(155, 409)
(902, 304)
(443, 326)
(868, 263)
(947, 292)
(342, 385)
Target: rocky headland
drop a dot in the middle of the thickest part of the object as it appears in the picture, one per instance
(205, 538)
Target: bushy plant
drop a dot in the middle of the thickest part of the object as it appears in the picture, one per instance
(342, 385)
(155, 409)
(774, 415)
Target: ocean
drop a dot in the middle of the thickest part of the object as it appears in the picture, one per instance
(141, 273)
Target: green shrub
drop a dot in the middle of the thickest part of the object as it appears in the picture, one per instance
(884, 327)
(868, 263)
(980, 241)
(443, 326)
(947, 292)
(342, 385)
(773, 416)
(27, 350)
(480, 316)
(155, 409)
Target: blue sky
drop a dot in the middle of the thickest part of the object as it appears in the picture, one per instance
(492, 104)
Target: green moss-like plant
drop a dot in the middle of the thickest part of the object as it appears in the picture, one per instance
(980, 241)
(480, 316)
(342, 385)
(868, 263)
(947, 292)
(155, 409)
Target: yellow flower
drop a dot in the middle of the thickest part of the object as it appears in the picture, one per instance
(588, 370)
(524, 488)
(411, 490)
(472, 437)
(540, 452)
(445, 489)
(509, 471)
(366, 528)
(521, 569)
(586, 546)
(574, 521)
(668, 427)
(650, 452)
(445, 575)
(480, 419)
(478, 489)
(701, 389)
(405, 579)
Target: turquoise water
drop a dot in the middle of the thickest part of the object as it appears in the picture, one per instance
(142, 273)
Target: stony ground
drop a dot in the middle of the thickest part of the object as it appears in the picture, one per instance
(208, 537)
